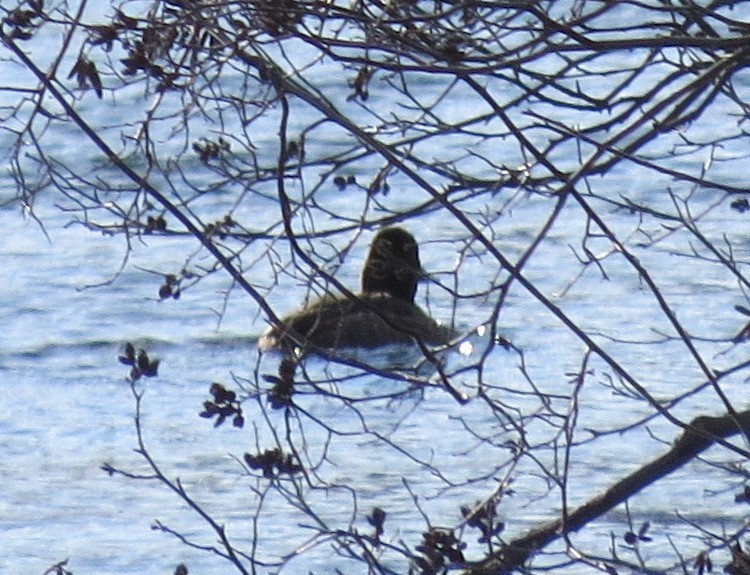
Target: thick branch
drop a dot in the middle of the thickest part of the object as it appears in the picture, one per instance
(699, 436)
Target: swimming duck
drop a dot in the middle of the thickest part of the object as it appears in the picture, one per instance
(383, 313)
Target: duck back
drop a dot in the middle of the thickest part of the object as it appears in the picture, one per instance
(372, 320)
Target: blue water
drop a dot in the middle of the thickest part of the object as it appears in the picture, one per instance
(67, 410)
(71, 298)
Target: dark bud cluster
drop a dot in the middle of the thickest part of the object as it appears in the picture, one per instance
(155, 224)
(273, 463)
(220, 228)
(485, 518)
(103, 35)
(173, 284)
(86, 75)
(223, 406)
(740, 564)
(280, 395)
(211, 150)
(139, 361)
(632, 538)
(702, 563)
(170, 288)
(22, 22)
(740, 204)
(379, 184)
(293, 150)
(743, 496)
(439, 548)
(342, 182)
(377, 520)
(360, 84)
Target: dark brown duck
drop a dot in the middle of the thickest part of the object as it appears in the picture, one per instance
(383, 313)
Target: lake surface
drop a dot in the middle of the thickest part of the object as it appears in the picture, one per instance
(71, 298)
(66, 410)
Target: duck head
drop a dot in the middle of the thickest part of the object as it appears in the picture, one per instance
(392, 265)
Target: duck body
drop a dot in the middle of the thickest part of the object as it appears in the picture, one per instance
(383, 313)
(371, 320)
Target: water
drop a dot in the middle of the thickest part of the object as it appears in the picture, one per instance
(67, 410)
(71, 298)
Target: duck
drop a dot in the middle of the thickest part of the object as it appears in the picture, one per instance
(383, 313)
